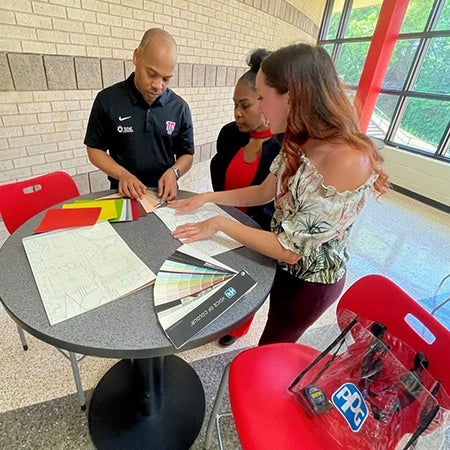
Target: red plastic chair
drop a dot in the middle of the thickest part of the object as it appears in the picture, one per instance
(22, 200)
(266, 414)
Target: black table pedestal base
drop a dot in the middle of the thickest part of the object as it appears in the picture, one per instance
(162, 409)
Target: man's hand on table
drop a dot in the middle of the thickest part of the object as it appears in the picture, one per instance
(130, 186)
(167, 186)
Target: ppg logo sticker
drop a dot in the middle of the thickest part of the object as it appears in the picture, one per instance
(350, 403)
(230, 292)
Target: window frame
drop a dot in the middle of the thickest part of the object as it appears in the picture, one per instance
(424, 38)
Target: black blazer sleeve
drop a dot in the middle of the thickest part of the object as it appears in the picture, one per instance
(229, 141)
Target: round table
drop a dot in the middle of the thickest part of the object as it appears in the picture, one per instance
(152, 398)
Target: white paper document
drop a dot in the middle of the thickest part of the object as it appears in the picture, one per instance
(220, 243)
(79, 269)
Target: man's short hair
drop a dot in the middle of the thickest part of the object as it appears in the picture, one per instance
(156, 33)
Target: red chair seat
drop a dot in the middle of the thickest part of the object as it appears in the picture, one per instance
(264, 410)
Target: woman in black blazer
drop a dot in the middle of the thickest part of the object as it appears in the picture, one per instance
(245, 151)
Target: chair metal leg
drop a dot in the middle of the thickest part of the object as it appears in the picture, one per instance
(23, 339)
(223, 386)
(77, 378)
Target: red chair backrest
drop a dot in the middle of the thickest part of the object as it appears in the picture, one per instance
(22, 200)
(379, 299)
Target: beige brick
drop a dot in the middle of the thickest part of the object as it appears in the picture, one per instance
(18, 32)
(110, 42)
(9, 132)
(132, 24)
(38, 47)
(69, 3)
(121, 54)
(171, 11)
(10, 45)
(138, 4)
(147, 16)
(83, 39)
(99, 52)
(52, 117)
(15, 97)
(65, 106)
(41, 149)
(77, 134)
(70, 49)
(194, 7)
(29, 161)
(81, 15)
(86, 104)
(24, 141)
(46, 9)
(17, 5)
(56, 137)
(69, 145)
(66, 25)
(7, 17)
(68, 126)
(44, 96)
(53, 36)
(32, 20)
(22, 119)
(94, 5)
(79, 152)
(151, 5)
(39, 169)
(75, 162)
(108, 19)
(59, 156)
(162, 19)
(38, 129)
(10, 153)
(180, 23)
(6, 165)
(121, 11)
(7, 108)
(3, 145)
(97, 29)
(78, 95)
(123, 33)
(7, 176)
(34, 107)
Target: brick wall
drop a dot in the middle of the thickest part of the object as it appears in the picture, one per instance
(55, 55)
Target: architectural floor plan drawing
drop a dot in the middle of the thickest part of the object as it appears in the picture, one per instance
(220, 243)
(79, 269)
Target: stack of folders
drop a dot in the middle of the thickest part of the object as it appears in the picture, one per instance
(85, 212)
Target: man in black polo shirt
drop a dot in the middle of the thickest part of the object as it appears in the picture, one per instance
(140, 132)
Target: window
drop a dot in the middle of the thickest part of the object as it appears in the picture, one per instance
(413, 107)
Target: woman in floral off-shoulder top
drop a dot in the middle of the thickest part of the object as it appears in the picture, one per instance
(320, 180)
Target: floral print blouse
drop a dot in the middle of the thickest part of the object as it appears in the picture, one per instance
(314, 220)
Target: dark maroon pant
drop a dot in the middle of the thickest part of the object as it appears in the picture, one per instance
(295, 305)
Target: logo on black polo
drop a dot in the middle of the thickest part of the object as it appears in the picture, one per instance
(170, 127)
(122, 129)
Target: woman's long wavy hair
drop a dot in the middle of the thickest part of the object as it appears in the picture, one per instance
(319, 107)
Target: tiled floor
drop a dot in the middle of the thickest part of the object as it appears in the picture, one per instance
(395, 236)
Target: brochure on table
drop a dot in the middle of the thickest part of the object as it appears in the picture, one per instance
(192, 290)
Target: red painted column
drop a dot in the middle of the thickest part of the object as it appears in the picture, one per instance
(378, 57)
